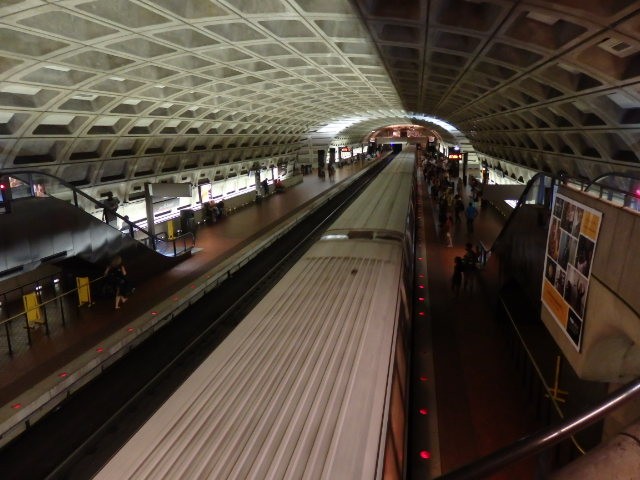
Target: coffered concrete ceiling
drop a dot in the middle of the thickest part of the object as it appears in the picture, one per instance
(121, 90)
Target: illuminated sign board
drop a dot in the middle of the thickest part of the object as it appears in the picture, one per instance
(455, 156)
(345, 152)
(205, 192)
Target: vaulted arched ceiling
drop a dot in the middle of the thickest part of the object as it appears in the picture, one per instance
(106, 91)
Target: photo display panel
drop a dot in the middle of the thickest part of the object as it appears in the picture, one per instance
(571, 243)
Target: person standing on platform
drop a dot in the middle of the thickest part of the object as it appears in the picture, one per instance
(443, 210)
(469, 266)
(458, 206)
(128, 226)
(117, 281)
(471, 213)
(109, 212)
(446, 231)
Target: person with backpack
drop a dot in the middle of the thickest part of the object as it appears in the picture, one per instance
(469, 266)
(458, 207)
(471, 213)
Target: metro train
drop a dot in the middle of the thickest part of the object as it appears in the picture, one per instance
(313, 382)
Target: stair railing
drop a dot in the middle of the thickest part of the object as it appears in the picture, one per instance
(545, 438)
(168, 247)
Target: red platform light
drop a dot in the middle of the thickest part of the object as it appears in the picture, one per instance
(193, 286)
(130, 329)
(63, 374)
(423, 378)
(420, 286)
(16, 406)
(421, 314)
(419, 258)
(99, 349)
(421, 299)
(421, 275)
(423, 411)
(425, 454)
(154, 313)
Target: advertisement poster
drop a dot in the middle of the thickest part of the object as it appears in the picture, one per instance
(571, 243)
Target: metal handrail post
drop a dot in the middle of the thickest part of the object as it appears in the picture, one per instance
(6, 329)
(46, 320)
(62, 311)
(26, 322)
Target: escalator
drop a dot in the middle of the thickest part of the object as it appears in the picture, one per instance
(46, 229)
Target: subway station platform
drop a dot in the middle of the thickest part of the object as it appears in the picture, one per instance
(34, 380)
(479, 404)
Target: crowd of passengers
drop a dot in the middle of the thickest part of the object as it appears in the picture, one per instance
(447, 191)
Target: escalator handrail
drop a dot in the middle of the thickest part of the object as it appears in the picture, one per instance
(523, 197)
(76, 190)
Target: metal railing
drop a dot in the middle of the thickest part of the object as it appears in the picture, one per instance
(7, 297)
(546, 405)
(18, 331)
(168, 247)
(623, 190)
(545, 438)
(542, 441)
(542, 391)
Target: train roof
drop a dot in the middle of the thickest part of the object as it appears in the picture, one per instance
(300, 389)
(382, 207)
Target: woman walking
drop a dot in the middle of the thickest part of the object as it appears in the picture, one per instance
(116, 278)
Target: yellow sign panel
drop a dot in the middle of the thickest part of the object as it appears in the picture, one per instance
(32, 308)
(590, 225)
(555, 303)
(84, 290)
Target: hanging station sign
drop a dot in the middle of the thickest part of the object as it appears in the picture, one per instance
(571, 243)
